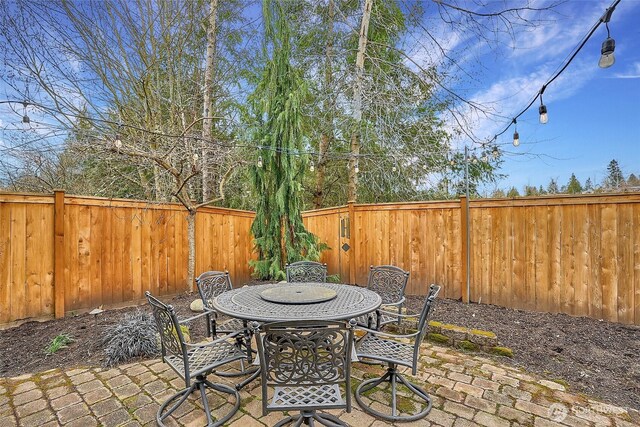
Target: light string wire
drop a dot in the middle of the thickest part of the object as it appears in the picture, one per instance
(604, 18)
(341, 156)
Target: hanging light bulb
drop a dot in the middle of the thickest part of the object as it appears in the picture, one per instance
(118, 142)
(356, 169)
(474, 160)
(516, 139)
(485, 159)
(609, 45)
(195, 157)
(607, 58)
(495, 153)
(393, 169)
(424, 167)
(544, 118)
(312, 167)
(25, 118)
(259, 161)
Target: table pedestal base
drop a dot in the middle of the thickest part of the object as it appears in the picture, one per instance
(310, 418)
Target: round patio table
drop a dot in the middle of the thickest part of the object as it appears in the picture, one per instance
(326, 301)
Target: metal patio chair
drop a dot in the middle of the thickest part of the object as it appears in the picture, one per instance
(193, 362)
(387, 348)
(210, 284)
(389, 282)
(306, 272)
(305, 366)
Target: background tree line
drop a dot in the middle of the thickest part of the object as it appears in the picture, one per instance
(614, 181)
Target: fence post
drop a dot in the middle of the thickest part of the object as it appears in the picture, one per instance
(352, 243)
(58, 253)
(464, 222)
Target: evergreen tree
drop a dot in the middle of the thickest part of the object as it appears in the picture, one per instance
(615, 178)
(530, 190)
(541, 190)
(498, 194)
(588, 186)
(574, 187)
(633, 181)
(552, 188)
(513, 192)
(280, 235)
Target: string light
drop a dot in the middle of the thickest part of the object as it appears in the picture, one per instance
(544, 118)
(609, 45)
(195, 157)
(118, 142)
(607, 59)
(393, 169)
(495, 153)
(312, 167)
(516, 136)
(260, 161)
(25, 118)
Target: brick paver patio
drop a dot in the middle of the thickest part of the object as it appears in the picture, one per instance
(467, 390)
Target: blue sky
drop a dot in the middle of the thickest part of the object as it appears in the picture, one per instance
(594, 113)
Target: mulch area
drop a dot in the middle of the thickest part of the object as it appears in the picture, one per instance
(597, 358)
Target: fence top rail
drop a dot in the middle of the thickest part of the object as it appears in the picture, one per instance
(34, 198)
(325, 211)
(31, 198)
(557, 200)
(439, 204)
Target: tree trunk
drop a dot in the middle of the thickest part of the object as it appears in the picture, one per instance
(357, 101)
(191, 237)
(327, 126)
(207, 111)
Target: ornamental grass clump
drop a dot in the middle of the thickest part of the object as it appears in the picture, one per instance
(59, 342)
(135, 336)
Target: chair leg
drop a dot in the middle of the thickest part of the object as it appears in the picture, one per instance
(393, 377)
(201, 384)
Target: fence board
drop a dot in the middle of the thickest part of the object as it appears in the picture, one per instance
(573, 254)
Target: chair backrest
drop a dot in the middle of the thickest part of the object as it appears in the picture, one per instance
(388, 281)
(306, 272)
(423, 323)
(292, 354)
(171, 338)
(211, 284)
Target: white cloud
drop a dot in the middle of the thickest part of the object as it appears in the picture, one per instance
(556, 38)
(632, 73)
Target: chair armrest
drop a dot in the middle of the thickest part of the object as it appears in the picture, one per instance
(386, 334)
(214, 342)
(397, 303)
(206, 312)
(398, 314)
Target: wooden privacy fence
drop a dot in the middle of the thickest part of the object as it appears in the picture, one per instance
(578, 255)
(573, 254)
(61, 254)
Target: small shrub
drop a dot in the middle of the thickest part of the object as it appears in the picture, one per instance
(59, 342)
(467, 345)
(502, 351)
(134, 336)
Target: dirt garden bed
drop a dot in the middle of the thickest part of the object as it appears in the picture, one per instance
(597, 358)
